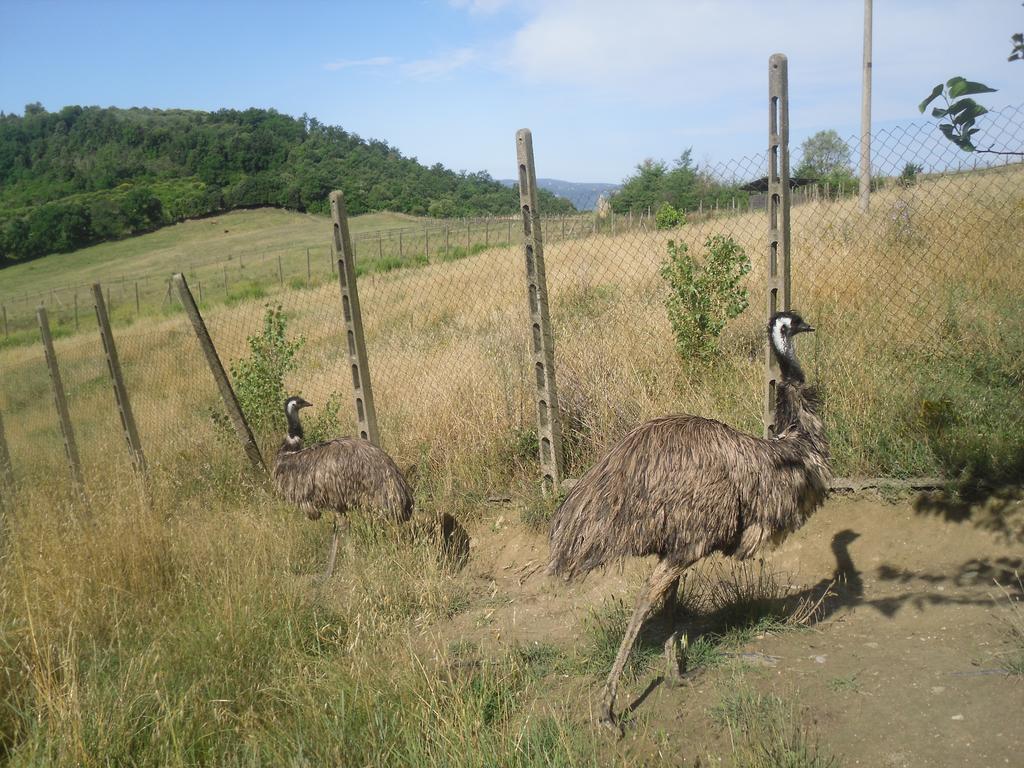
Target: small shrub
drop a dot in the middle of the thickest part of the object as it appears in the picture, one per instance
(324, 423)
(908, 176)
(667, 217)
(259, 379)
(704, 297)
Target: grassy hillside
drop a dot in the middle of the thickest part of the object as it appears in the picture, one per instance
(175, 248)
(85, 174)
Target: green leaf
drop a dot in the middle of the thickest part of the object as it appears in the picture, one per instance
(965, 111)
(936, 112)
(935, 92)
(966, 87)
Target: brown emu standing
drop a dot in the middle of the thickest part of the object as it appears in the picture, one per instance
(684, 487)
(338, 475)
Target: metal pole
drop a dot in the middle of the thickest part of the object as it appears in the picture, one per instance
(137, 311)
(543, 345)
(778, 216)
(309, 270)
(220, 376)
(124, 406)
(6, 331)
(76, 310)
(865, 115)
(366, 414)
(60, 401)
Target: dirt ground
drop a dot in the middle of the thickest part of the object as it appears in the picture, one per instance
(902, 667)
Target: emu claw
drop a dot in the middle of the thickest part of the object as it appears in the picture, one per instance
(611, 723)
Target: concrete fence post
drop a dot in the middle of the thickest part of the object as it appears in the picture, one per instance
(778, 217)
(542, 344)
(124, 406)
(60, 401)
(7, 486)
(366, 414)
(220, 376)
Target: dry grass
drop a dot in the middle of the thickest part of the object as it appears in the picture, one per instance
(185, 629)
(905, 308)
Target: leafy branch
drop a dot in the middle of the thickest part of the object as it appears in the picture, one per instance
(960, 111)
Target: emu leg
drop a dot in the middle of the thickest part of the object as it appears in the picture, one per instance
(659, 581)
(673, 646)
(333, 552)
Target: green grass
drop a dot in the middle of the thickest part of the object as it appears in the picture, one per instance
(193, 632)
(766, 732)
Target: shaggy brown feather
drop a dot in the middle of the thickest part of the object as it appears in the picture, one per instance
(342, 474)
(682, 487)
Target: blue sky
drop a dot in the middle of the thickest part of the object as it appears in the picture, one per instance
(602, 84)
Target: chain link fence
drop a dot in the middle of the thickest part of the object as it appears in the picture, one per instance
(919, 354)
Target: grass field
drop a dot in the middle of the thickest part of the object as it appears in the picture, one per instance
(178, 624)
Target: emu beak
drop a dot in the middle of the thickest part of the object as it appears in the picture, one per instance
(804, 328)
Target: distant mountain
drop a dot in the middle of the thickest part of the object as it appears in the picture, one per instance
(583, 195)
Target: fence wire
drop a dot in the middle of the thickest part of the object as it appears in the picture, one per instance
(916, 300)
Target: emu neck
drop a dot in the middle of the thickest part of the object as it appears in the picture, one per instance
(293, 442)
(795, 406)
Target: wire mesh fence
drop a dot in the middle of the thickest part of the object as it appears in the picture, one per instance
(918, 354)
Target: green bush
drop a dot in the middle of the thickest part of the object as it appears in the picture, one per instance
(667, 217)
(259, 379)
(703, 297)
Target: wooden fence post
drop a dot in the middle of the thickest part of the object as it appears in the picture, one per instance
(124, 406)
(549, 429)
(60, 401)
(6, 330)
(220, 376)
(778, 217)
(366, 414)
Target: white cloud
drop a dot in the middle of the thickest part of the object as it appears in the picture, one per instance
(439, 66)
(696, 52)
(376, 61)
(480, 6)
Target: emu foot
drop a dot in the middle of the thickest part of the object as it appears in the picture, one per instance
(611, 723)
(675, 659)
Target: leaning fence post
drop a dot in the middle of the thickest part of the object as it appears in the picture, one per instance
(366, 414)
(60, 400)
(124, 406)
(549, 429)
(220, 376)
(778, 217)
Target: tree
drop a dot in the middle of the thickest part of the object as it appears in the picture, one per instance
(824, 154)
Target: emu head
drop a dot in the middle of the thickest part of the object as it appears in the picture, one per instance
(292, 406)
(782, 327)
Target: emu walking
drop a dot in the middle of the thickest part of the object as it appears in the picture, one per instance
(338, 475)
(683, 487)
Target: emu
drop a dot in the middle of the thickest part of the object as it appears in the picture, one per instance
(338, 475)
(683, 487)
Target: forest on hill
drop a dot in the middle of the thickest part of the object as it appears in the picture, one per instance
(83, 175)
